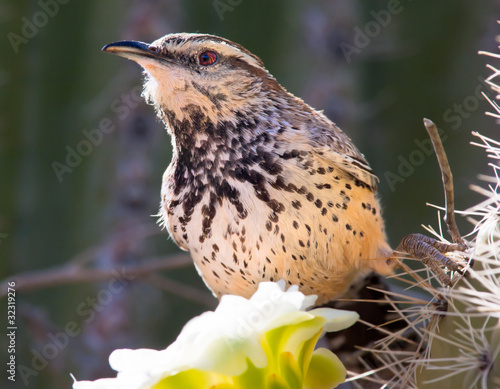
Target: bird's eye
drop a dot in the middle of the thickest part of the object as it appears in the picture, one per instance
(207, 58)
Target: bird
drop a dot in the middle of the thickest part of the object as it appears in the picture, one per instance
(261, 186)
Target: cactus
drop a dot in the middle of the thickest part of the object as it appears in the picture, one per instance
(452, 338)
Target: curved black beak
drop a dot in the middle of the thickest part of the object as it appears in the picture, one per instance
(131, 49)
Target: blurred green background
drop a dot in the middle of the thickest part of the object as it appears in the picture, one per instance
(376, 68)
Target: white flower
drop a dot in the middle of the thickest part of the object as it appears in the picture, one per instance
(265, 340)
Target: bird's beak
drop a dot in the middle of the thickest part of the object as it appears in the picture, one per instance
(133, 50)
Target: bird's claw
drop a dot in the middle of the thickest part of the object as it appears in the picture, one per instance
(431, 253)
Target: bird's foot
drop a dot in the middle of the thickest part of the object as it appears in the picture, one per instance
(431, 253)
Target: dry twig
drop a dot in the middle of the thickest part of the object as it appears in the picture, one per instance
(447, 178)
(75, 273)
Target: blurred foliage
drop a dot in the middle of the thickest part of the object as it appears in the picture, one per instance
(56, 84)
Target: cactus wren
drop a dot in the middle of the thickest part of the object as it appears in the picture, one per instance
(261, 186)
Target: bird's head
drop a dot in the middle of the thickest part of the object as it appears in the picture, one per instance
(189, 74)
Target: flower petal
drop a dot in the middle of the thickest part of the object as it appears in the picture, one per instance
(325, 370)
(266, 341)
(336, 319)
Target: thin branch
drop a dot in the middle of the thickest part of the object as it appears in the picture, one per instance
(74, 273)
(447, 177)
(183, 290)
